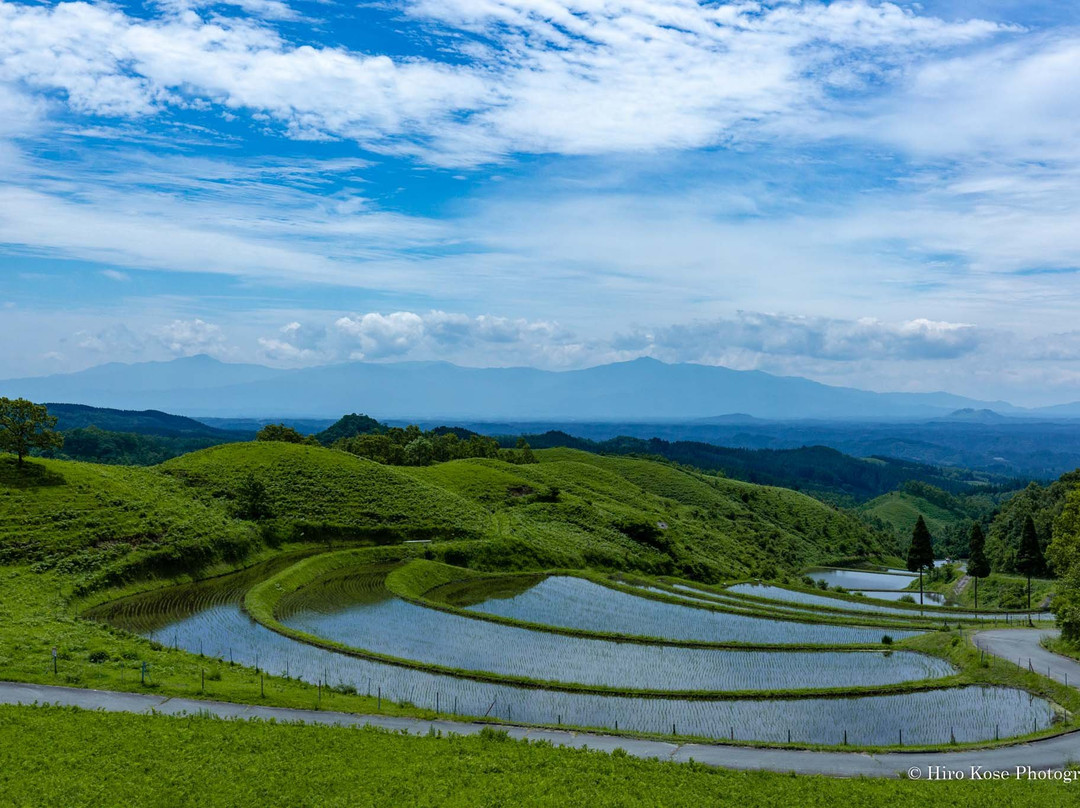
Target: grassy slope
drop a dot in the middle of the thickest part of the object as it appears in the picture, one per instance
(81, 758)
(99, 524)
(106, 524)
(999, 591)
(315, 489)
(900, 510)
(716, 527)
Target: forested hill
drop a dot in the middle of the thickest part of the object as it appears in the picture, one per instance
(818, 470)
(139, 422)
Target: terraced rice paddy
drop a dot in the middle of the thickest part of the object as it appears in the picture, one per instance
(782, 595)
(932, 598)
(207, 618)
(863, 579)
(577, 603)
(405, 630)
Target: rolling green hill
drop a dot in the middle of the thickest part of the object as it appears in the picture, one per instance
(109, 524)
(949, 516)
(317, 493)
(819, 470)
(103, 524)
(619, 511)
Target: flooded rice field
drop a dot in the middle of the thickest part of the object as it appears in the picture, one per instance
(208, 618)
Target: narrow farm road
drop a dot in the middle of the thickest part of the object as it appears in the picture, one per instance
(1053, 753)
(1022, 646)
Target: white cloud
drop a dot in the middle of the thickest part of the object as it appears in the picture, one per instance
(116, 340)
(717, 341)
(572, 77)
(376, 336)
(188, 337)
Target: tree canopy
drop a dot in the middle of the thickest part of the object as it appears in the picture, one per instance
(284, 434)
(25, 425)
(977, 566)
(1029, 558)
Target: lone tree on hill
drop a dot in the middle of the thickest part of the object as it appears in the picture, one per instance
(25, 425)
(1029, 558)
(252, 499)
(526, 453)
(977, 566)
(921, 553)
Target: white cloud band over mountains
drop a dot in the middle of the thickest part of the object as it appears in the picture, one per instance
(258, 180)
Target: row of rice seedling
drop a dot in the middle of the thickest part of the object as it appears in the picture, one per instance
(787, 596)
(396, 628)
(778, 611)
(214, 624)
(577, 603)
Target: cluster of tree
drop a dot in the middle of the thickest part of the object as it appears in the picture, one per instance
(412, 446)
(1042, 506)
(1064, 555)
(284, 434)
(95, 445)
(349, 426)
(1030, 558)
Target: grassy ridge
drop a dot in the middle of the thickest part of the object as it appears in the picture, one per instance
(318, 493)
(89, 759)
(608, 510)
(105, 525)
(100, 525)
(901, 509)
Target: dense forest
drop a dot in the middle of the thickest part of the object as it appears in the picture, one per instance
(818, 470)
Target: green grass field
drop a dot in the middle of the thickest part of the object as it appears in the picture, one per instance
(55, 756)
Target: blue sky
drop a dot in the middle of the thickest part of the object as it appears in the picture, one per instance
(879, 195)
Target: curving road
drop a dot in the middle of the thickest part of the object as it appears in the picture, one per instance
(1014, 644)
(1022, 647)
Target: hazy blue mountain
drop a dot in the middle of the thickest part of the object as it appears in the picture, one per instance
(1070, 410)
(142, 422)
(116, 384)
(973, 416)
(643, 389)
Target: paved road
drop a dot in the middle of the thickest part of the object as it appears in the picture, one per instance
(1022, 647)
(1054, 753)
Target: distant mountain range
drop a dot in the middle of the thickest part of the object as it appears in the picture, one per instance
(640, 389)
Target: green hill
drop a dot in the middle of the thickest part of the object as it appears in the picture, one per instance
(104, 524)
(140, 422)
(109, 524)
(320, 494)
(626, 512)
(949, 516)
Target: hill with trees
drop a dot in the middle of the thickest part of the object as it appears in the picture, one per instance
(107, 524)
(1043, 504)
(818, 470)
(948, 516)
